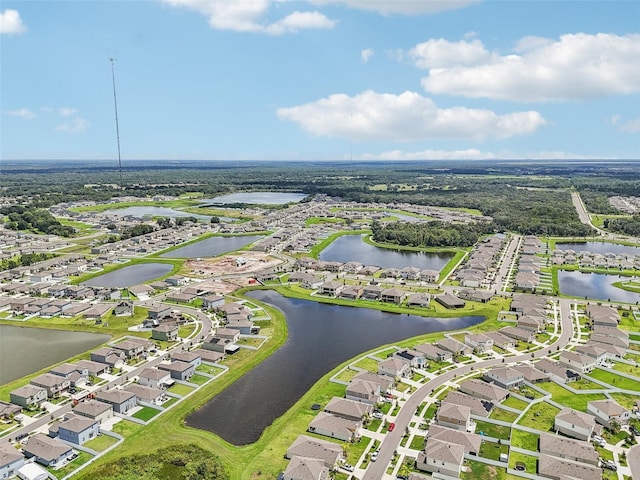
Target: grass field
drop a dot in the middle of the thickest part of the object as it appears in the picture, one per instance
(503, 415)
(526, 440)
(180, 389)
(568, 399)
(146, 413)
(480, 470)
(530, 463)
(367, 364)
(199, 379)
(492, 430)
(492, 450)
(100, 443)
(540, 416)
(615, 380)
(514, 402)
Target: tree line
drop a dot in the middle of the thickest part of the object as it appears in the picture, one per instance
(21, 217)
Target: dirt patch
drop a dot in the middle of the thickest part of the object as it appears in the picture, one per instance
(239, 267)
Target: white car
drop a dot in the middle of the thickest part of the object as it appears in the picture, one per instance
(379, 415)
(374, 455)
(348, 467)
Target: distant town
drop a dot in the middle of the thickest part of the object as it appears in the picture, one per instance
(482, 351)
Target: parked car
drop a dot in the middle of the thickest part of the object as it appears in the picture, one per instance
(377, 414)
(391, 427)
(347, 466)
(374, 455)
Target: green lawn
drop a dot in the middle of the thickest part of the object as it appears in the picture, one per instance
(374, 424)
(615, 380)
(146, 413)
(367, 364)
(492, 450)
(417, 442)
(584, 384)
(101, 443)
(479, 470)
(568, 399)
(625, 368)
(199, 379)
(346, 375)
(514, 402)
(625, 399)
(503, 415)
(180, 389)
(83, 458)
(126, 428)
(540, 416)
(355, 450)
(530, 463)
(526, 440)
(492, 430)
(527, 391)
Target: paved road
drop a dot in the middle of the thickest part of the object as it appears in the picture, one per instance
(376, 470)
(633, 460)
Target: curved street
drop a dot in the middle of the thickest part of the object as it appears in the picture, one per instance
(376, 470)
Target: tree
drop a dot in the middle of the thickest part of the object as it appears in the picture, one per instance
(215, 219)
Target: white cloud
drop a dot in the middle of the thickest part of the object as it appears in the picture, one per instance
(24, 113)
(471, 154)
(629, 126)
(76, 125)
(403, 7)
(11, 23)
(248, 16)
(576, 66)
(405, 117)
(66, 112)
(442, 53)
(366, 54)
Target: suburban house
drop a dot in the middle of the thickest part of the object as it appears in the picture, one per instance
(574, 424)
(228, 333)
(413, 357)
(54, 384)
(220, 345)
(11, 460)
(517, 333)
(349, 409)
(121, 400)
(394, 367)
(74, 373)
(94, 409)
(504, 377)
(418, 300)
(158, 311)
(97, 311)
(305, 468)
(209, 356)
(109, 356)
(129, 348)
(432, 352)
(500, 340)
(8, 410)
(393, 295)
(593, 351)
(363, 391)
(144, 394)
(193, 358)
(165, 332)
(484, 390)
(351, 292)
(454, 416)
(531, 374)
(578, 362)
(94, 369)
(556, 371)
(441, 457)
(479, 342)
(449, 301)
(558, 468)
(384, 382)
(212, 301)
(479, 407)
(454, 346)
(335, 427)
(470, 441)
(311, 447)
(609, 411)
(77, 429)
(28, 395)
(372, 292)
(155, 378)
(179, 370)
(569, 449)
(331, 288)
(47, 451)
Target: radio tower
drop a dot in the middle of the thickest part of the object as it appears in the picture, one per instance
(115, 105)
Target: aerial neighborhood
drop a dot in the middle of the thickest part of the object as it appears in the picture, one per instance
(549, 388)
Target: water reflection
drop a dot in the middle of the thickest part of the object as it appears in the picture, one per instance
(320, 337)
(595, 285)
(352, 248)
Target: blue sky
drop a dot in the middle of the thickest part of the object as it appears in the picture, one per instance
(323, 79)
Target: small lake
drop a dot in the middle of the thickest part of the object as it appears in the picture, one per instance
(257, 198)
(212, 246)
(320, 337)
(142, 212)
(352, 248)
(24, 351)
(599, 247)
(595, 285)
(131, 275)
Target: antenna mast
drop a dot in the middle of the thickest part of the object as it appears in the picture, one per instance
(115, 105)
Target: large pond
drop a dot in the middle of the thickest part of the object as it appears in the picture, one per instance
(353, 248)
(142, 212)
(131, 275)
(599, 247)
(24, 351)
(320, 337)
(258, 198)
(595, 285)
(212, 246)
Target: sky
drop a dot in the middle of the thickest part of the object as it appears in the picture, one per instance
(320, 80)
